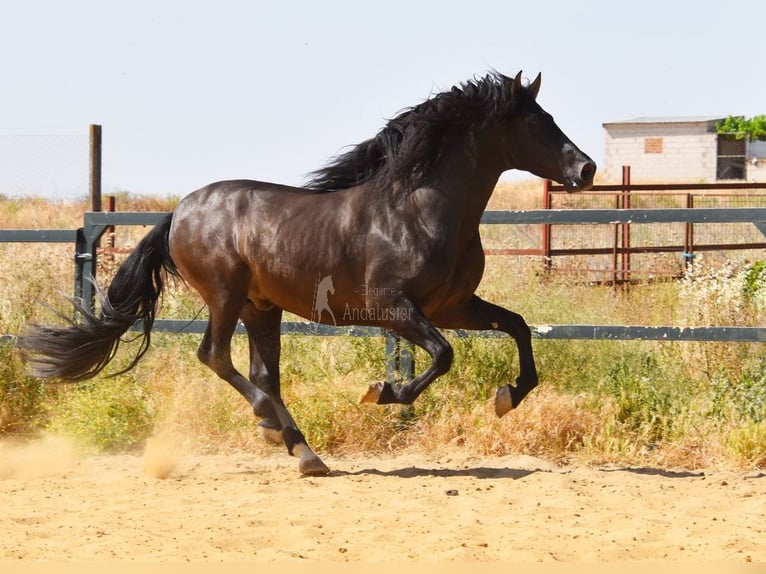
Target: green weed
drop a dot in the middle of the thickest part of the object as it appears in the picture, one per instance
(22, 398)
(748, 444)
(103, 415)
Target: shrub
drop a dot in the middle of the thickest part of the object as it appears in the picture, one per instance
(748, 444)
(21, 396)
(103, 415)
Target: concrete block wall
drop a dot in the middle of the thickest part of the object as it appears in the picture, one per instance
(680, 151)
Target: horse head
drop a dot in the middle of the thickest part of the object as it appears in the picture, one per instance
(534, 143)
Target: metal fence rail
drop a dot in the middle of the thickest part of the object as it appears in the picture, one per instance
(550, 332)
(399, 354)
(754, 215)
(96, 223)
(38, 235)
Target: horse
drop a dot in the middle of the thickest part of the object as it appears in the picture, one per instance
(394, 221)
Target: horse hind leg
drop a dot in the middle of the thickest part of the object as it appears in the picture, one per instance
(268, 426)
(263, 408)
(263, 328)
(215, 352)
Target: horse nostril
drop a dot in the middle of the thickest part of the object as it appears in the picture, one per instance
(588, 171)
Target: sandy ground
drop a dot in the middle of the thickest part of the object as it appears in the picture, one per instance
(254, 507)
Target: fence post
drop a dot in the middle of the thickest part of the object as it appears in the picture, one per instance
(400, 365)
(616, 244)
(79, 265)
(95, 167)
(547, 261)
(626, 226)
(86, 257)
(688, 253)
(110, 239)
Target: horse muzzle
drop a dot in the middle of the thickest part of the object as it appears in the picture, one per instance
(578, 176)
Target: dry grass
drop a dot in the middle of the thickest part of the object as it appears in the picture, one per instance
(643, 403)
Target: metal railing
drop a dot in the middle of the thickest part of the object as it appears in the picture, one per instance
(399, 353)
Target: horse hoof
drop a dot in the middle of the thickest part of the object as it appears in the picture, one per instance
(271, 436)
(310, 464)
(503, 401)
(373, 393)
(313, 466)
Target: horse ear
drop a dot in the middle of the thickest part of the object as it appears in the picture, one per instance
(534, 87)
(516, 86)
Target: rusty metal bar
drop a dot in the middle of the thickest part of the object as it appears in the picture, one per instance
(547, 261)
(671, 186)
(625, 257)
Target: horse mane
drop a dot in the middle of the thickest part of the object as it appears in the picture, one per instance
(409, 144)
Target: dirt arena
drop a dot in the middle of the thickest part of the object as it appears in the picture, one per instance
(254, 507)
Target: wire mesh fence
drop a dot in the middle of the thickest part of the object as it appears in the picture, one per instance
(647, 251)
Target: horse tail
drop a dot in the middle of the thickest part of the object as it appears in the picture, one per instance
(81, 349)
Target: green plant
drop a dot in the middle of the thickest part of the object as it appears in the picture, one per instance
(755, 279)
(647, 399)
(740, 127)
(104, 415)
(740, 396)
(21, 396)
(748, 443)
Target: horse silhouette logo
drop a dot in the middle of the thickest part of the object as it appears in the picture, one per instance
(321, 303)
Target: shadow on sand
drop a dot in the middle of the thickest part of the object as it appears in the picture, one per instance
(416, 472)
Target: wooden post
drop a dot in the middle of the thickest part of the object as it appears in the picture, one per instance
(95, 167)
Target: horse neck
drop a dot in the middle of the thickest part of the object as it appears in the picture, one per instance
(465, 178)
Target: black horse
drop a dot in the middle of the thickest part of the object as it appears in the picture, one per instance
(394, 224)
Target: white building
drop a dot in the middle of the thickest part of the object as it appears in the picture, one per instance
(680, 149)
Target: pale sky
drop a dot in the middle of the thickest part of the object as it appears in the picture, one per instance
(192, 92)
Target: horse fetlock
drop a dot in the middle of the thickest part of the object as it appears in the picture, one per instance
(381, 393)
(509, 397)
(292, 438)
(270, 435)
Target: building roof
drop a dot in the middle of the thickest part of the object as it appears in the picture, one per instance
(667, 120)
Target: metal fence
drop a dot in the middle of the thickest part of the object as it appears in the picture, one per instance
(399, 354)
(620, 252)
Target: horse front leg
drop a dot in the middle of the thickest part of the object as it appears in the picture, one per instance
(411, 324)
(479, 315)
